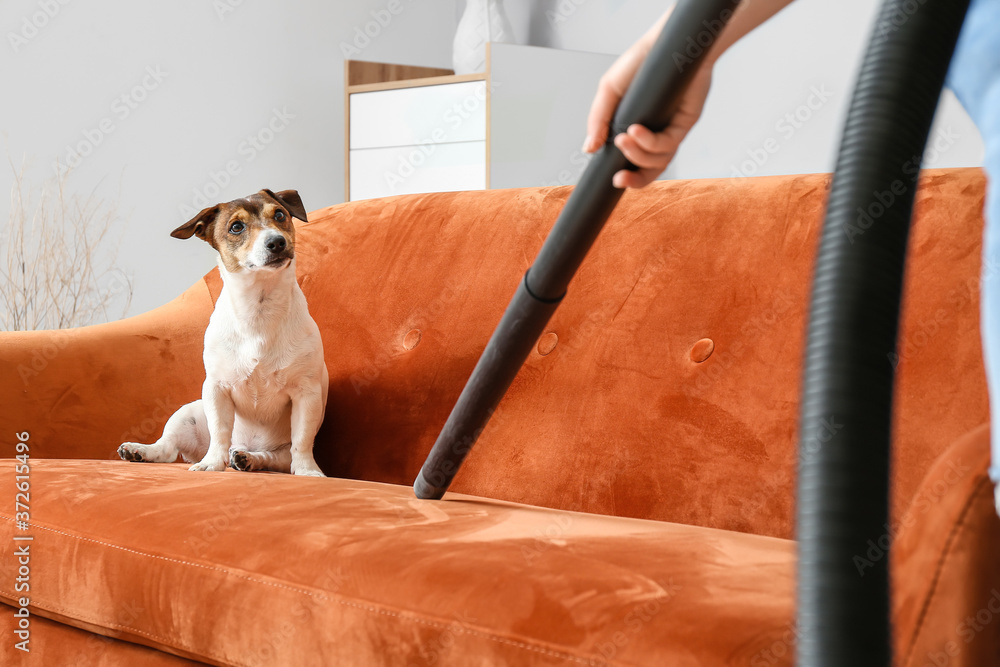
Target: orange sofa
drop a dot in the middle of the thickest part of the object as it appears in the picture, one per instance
(630, 503)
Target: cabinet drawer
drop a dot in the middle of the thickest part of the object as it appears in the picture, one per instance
(399, 170)
(425, 114)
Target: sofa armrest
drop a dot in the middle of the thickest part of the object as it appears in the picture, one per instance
(80, 392)
(946, 563)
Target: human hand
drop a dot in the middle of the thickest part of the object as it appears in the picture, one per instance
(650, 151)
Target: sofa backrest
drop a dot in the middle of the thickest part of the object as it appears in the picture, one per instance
(667, 384)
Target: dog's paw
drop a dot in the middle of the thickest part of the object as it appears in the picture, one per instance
(240, 460)
(131, 451)
(306, 469)
(206, 464)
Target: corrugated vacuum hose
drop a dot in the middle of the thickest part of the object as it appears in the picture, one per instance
(844, 447)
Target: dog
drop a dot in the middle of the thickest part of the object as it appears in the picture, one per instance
(266, 380)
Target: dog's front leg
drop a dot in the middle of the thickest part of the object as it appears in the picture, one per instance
(220, 411)
(307, 416)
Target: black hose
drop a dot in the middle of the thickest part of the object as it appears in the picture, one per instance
(844, 449)
(651, 100)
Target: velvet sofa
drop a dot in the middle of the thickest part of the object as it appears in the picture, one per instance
(630, 503)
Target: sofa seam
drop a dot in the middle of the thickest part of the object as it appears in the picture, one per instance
(76, 615)
(374, 608)
(939, 568)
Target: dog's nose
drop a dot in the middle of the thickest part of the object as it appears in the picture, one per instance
(275, 244)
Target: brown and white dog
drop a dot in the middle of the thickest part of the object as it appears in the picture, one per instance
(266, 380)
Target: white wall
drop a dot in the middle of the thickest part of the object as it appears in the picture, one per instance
(813, 46)
(226, 71)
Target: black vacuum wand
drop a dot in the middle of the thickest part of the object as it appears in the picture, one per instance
(651, 100)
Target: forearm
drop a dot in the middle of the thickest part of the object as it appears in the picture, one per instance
(747, 16)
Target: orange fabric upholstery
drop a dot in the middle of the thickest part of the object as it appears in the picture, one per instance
(362, 573)
(945, 559)
(650, 435)
(57, 644)
(366, 574)
(617, 418)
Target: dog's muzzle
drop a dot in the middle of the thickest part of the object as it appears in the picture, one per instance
(277, 251)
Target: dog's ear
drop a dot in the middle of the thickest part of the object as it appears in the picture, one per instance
(291, 200)
(198, 225)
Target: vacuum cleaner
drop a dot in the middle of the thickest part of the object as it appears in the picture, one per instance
(650, 100)
(843, 482)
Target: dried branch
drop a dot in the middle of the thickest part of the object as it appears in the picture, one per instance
(58, 269)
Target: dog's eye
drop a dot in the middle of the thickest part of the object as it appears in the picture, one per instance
(279, 216)
(236, 228)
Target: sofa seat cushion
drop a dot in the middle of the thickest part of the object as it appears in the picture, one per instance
(56, 644)
(264, 569)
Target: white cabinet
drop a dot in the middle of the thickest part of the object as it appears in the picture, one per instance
(519, 124)
(428, 138)
(429, 167)
(445, 113)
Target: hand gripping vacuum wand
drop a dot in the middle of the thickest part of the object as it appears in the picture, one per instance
(651, 100)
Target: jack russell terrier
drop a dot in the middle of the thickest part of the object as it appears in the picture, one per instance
(266, 380)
